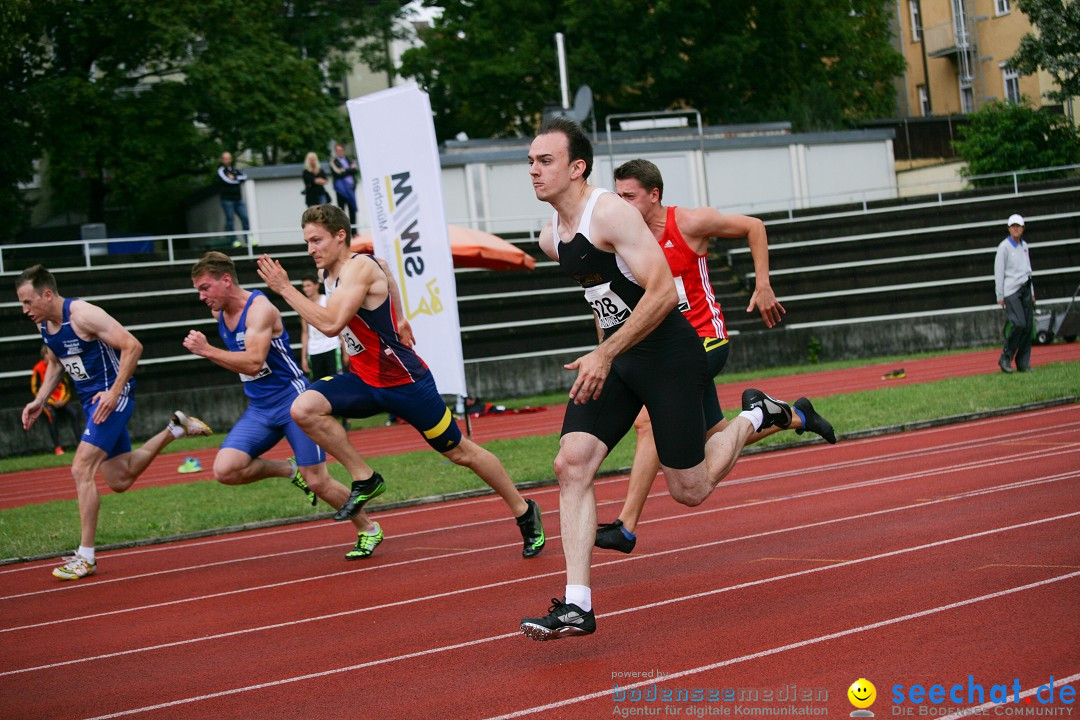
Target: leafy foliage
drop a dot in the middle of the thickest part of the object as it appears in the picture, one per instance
(131, 101)
(491, 67)
(1056, 46)
(1003, 136)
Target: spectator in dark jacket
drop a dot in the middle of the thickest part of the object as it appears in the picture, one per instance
(230, 180)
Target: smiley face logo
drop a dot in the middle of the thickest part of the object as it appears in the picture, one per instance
(862, 693)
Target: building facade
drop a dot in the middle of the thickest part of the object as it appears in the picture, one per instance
(957, 54)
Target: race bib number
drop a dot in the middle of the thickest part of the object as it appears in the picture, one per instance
(684, 302)
(611, 310)
(353, 346)
(73, 364)
(261, 374)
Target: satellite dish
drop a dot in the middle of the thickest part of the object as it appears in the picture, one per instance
(583, 105)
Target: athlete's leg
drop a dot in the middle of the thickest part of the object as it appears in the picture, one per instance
(313, 413)
(490, 470)
(643, 472)
(311, 459)
(88, 458)
(236, 467)
(579, 457)
(122, 471)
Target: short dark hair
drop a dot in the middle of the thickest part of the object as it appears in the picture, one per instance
(39, 278)
(216, 264)
(310, 277)
(577, 142)
(644, 172)
(330, 217)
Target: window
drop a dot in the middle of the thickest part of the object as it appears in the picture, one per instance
(916, 21)
(1010, 80)
(967, 97)
(1001, 7)
(924, 101)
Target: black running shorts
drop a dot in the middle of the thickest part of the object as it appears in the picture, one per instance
(665, 372)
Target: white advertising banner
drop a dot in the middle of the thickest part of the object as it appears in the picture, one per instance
(402, 179)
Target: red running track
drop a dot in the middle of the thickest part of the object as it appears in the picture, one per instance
(55, 484)
(946, 556)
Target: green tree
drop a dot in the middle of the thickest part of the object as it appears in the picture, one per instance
(1055, 47)
(1002, 137)
(491, 67)
(130, 101)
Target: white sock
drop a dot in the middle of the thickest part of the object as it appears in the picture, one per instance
(755, 416)
(580, 595)
(294, 466)
(371, 532)
(177, 431)
(86, 552)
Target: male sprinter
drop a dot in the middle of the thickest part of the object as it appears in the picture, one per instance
(257, 348)
(100, 355)
(650, 356)
(683, 234)
(385, 374)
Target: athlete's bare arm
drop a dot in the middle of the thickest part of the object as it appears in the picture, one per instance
(263, 324)
(90, 322)
(360, 283)
(697, 225)
(54, 372)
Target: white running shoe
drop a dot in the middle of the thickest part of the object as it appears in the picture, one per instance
(76, 567)
(191, 425)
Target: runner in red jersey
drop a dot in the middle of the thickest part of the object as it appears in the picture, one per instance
(683, 234)
(385, 375)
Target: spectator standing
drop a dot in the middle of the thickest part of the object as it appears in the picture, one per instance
(230, 181)
(1016, 294)
(345, 172)
(314, 181)
(58, 403)
(318, 354)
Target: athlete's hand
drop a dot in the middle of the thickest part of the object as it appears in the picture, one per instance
(105, 402)
(31, 412)
(196, 342)
(765, 302)
(273, 274)
(592, 370)
(405, 333)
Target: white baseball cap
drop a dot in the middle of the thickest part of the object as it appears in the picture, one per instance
(1015, 219)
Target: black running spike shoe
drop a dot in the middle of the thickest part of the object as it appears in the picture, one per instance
(775, 412)
(563, 620)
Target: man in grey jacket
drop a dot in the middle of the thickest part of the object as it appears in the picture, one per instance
(1016, 294)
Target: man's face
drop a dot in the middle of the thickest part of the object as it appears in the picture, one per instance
(549, 165)
(34, 305)
(340, 150)
(213, 290)
(226, 159)
(632, 191)
(321, 245)
(310, 289)
(1016, 231)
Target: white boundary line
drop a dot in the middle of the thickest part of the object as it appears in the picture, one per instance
(973, 465)
(603, 693)
(785, 648)
(256, 534)
(488, 586)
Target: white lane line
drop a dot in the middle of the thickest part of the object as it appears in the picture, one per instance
(1028, 455)
(829, 467)
(488, 586)
(780, 649)
(607, 692)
